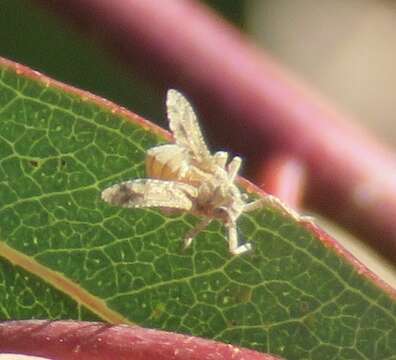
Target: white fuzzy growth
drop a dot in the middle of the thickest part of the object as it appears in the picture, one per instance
(196, 181)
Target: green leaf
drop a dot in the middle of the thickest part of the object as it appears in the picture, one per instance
(67, 254)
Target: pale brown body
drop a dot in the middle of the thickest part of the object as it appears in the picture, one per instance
(170, 162)
(185, 176)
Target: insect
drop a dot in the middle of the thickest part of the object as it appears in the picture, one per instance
(185, 176)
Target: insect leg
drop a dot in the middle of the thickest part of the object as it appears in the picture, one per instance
(221, 158)
(254, 205)
(195, 231)
(233, 241)
(270, 200)
(233, 167)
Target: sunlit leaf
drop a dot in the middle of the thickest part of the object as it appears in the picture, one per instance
(294, 294)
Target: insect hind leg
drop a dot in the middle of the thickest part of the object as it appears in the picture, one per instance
(233, 241)
(195, 231)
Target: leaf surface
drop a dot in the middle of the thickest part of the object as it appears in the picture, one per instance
(68, 255)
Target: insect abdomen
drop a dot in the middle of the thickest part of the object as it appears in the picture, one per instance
(165, 162)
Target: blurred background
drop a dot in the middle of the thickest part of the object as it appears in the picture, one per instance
(346, 49)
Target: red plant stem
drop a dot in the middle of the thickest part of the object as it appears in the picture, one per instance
(69, 340)
(283, 176)
(252, 105)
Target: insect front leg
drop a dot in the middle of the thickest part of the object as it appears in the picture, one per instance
(195, 231)
(221, 158)
(233, 167)
(233, 240)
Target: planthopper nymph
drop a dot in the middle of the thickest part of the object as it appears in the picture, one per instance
(185, 176)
